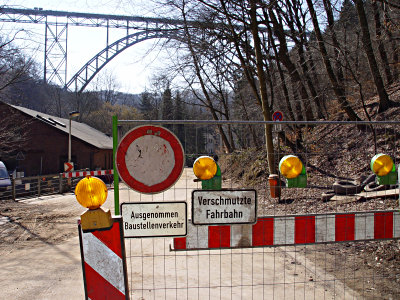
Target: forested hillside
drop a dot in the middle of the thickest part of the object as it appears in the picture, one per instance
(312, 60)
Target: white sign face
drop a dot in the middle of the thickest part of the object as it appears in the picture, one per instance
(224, 207)
(154, 219)
(150, 159)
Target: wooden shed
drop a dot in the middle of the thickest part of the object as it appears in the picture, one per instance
(46, 148)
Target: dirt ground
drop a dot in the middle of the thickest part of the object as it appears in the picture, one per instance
(27, 224)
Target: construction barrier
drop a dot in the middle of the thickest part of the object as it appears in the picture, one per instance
(294, 230)
(85, 173)
(104, 262)
(310, 240)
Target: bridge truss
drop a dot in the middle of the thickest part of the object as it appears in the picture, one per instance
(56, 24)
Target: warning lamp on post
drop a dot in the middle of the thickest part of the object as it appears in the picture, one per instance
(91, 193)
(293, 170)
(204, 167)
(384, 168)
(207, 170)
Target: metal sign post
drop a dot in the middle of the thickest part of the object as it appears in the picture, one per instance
(277, 116)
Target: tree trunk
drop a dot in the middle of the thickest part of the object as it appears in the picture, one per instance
(263, 88)
(381, 46)
(337, 87)
(281, 76)
(306, 74)
(335, 41)
(283, 55)
(384, 102)
(203, 87)
(251, 128)
(293, 19)
(393, 46)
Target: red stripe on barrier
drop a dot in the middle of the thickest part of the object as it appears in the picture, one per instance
(304, 230)
(180, 243)
(98, 287)
(344, 227)
(263, 232)
(219, 236)
(383, 225)
(111, 238)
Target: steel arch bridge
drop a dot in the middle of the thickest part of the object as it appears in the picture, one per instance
(56, 39)
(83, 77)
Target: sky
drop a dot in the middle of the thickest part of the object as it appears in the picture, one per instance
(132, 69)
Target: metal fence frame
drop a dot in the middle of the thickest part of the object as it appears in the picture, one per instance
(288, 251)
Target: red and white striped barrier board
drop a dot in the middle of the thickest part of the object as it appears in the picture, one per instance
(103, 263)
(84, 173)
(294, 230)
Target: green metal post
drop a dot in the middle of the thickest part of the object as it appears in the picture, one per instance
(214, 183)
(116, 178)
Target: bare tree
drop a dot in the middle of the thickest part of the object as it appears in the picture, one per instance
(381, 46)
(106, 86)
(101, 118)
(337, 85)
(14, 66)
(384, 102)
(14, 133)
(198, 71)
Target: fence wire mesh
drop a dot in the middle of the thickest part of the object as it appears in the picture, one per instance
(334, 154)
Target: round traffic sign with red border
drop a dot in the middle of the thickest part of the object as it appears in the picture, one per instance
(277, 116)
(150, 159)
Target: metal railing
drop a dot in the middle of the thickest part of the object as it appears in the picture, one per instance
(37, 186)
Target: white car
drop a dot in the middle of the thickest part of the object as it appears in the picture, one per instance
(5, 182)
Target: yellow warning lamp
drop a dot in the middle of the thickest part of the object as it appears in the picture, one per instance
(384, 168)
(293, 170)
(205, 167)
(381, 164)
(91, 192)
(290, 166)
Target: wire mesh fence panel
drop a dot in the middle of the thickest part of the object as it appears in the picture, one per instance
(335, 238)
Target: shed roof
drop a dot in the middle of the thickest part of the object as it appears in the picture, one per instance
(78, 130)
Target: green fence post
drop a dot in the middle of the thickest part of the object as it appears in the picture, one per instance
(214, 183)
(116, 178)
